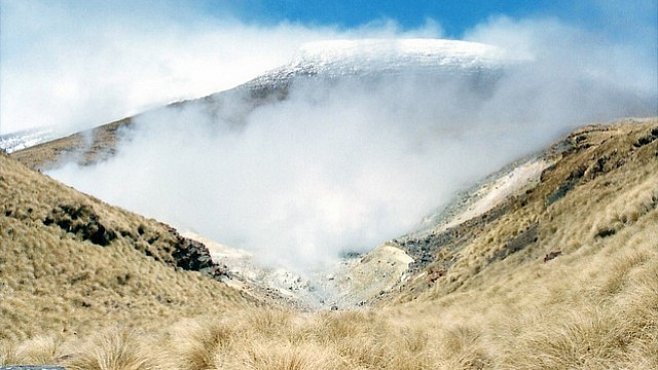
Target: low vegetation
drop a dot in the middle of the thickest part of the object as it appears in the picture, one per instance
(83, 148)
(563, 275)
(71, 264)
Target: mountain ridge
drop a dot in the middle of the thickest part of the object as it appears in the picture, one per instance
(331, 60)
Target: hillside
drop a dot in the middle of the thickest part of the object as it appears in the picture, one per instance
(100, 143)
(557, 270)
(599, 188)
(71, 263)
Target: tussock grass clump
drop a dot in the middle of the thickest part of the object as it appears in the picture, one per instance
(115, 350)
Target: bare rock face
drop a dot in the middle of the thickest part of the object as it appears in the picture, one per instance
(191, 255)
(194, 256)
(82, 221)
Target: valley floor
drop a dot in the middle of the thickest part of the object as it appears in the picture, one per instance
(560, 275)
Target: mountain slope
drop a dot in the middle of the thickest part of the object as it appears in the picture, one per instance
(326, 62)
(374, 58)
(519, 216)
(601, 188)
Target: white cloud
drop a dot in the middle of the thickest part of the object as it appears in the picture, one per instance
(70, 65)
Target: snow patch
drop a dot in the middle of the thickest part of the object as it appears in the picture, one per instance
(367, 57)
(24, 139)
(486, 196)
(397, 53)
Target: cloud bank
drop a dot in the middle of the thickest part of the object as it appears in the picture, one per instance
(70, 66)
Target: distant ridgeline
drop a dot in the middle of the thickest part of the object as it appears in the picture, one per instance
(424, 61)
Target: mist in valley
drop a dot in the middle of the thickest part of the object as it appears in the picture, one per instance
(344, 165)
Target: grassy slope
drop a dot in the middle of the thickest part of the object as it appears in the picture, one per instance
(603, 183)
(94, 145)
(54, 281)
(84, 147)
(495, 304)
(593, 306)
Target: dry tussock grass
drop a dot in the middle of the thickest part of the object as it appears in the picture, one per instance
(593, 307)
(115, 349)
(582, 330)
(53, 282)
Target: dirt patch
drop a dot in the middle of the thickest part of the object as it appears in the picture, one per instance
(359, 281)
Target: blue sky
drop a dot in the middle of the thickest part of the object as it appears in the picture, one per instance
(613, 17)
(454, 16)
(83, 62)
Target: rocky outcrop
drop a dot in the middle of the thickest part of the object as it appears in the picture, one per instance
(172, 249)
(647, 139)
(569, 183)
(81, 221)
(194, 256)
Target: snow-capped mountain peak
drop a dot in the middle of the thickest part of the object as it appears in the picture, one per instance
(391, 53)
(435, 58)
(375, 57)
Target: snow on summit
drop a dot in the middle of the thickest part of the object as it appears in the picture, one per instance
(399, 53)
(335, 58)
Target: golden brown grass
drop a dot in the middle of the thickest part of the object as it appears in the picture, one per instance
(55, 282)
(593, 307)
(85, 147)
